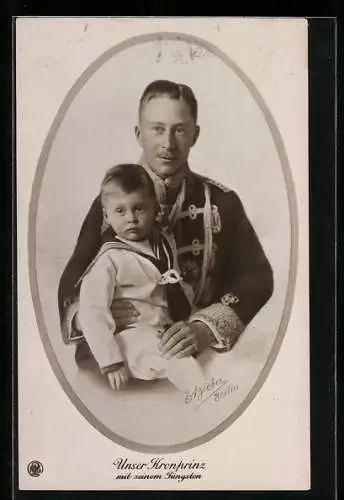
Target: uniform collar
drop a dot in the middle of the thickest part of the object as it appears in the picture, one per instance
(167, 189)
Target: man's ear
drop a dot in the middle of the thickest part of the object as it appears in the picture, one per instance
(196, 135)
(105, 217)
(138, 134)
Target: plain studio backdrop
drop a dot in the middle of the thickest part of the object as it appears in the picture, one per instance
(235, 147)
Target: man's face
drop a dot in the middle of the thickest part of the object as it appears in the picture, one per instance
(131, 215)
(166, 132)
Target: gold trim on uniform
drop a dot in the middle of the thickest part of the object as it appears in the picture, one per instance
(192, 212)
(224, 323)
(221, 186)
(195, 248)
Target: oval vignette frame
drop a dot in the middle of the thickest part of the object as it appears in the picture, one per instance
(277, 139)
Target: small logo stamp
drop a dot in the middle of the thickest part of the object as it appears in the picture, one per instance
(35, 468)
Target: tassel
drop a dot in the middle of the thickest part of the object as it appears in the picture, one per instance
(178, 304)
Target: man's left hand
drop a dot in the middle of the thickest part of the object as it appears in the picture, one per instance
(184, 339)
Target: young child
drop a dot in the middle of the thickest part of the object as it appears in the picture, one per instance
(136, 263)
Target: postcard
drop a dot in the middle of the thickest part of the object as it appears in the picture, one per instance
(163, 301)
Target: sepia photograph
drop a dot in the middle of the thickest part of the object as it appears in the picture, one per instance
(162, 243)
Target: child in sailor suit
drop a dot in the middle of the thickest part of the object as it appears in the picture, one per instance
(136, 264)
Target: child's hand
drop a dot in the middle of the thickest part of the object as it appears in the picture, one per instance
(118, 379)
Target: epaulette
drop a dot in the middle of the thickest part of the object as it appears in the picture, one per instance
(219, 185)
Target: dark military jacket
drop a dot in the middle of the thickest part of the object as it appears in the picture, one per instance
(237, 278)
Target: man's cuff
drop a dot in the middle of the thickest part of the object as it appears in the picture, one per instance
(69, 333)
(224, 323)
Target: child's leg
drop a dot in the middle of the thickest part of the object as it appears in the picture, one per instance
(184, 373)
(140, 348)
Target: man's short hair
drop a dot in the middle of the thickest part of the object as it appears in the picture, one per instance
(130, 177)
(173, 90)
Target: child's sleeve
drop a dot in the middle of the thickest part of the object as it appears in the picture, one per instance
(96, 321)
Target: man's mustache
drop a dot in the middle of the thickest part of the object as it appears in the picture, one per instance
(168, 153)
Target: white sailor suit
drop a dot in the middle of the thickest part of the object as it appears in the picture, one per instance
(130, 271)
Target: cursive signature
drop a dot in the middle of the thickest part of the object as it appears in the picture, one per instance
(214, 390)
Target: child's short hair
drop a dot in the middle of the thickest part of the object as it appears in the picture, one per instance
(173, 90)
(129, 177)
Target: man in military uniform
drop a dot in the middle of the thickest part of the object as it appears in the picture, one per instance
(219, 253)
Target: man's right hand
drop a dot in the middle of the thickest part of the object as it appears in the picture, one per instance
(124, 312)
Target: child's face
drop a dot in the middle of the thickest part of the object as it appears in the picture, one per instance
(131, 215)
